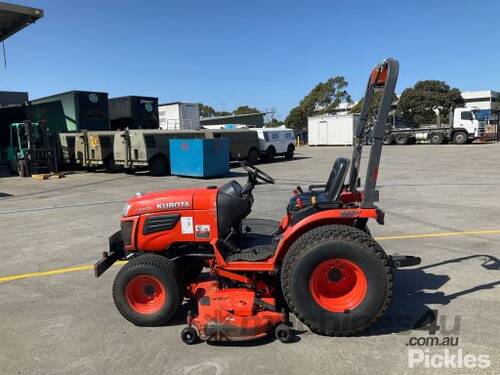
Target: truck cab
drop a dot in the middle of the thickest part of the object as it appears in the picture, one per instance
(467, 120)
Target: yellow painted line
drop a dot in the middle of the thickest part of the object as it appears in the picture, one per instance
(436, 235)
(60, 271)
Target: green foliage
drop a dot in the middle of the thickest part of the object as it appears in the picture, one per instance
(416, 104)
(274, 123)
(244, 109)
(206, 110)
(356, 108)
(324, 98)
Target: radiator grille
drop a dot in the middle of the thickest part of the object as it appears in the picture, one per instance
(160, 223)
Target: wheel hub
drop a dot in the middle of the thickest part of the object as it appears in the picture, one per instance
(338, 285)
(335, 275)
(145, 294)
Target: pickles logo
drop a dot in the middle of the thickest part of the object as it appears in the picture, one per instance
(148, 107)
(93, 98)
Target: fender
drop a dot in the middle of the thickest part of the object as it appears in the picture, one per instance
(335, 216)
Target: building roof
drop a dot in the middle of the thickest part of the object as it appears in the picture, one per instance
(13, 18)
(172, 103)
(251, 119)
(481, 94)
(68, 92)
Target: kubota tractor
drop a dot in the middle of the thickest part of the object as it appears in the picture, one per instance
(320, 262)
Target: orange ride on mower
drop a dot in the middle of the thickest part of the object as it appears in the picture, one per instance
(320, 262)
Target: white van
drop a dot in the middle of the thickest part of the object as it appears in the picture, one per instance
(276, 141)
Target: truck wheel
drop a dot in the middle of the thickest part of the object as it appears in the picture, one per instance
(253, 156)
(22, 168)
(401, 139)
(146, 290)
(289, 152)
(158, 166)
(460, 138)
(270, 154)
(387, 140)
(436, 138)
(337, 280)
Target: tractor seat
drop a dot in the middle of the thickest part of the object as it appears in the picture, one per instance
(329, 196)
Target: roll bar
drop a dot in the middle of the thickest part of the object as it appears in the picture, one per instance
(382, 78)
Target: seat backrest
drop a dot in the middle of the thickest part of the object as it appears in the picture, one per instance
(336, 179)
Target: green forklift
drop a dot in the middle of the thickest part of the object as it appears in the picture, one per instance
(32, 149)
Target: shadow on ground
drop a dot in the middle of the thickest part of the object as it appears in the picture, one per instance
(416, 288)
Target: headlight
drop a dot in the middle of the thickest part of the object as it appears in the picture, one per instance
(126, 209)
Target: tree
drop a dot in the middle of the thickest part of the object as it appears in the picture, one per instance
(274, 123)
(324, 98)
(296, 119)
(416, 104)
(244, 109)
(356, 108)
(206, 110)
(222, 113)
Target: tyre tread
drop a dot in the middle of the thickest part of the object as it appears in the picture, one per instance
(320, 234)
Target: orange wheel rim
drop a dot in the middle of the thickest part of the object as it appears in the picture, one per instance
(145, 294)
(338, 285)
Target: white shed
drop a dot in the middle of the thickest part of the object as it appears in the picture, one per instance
(178, 115)
(334, 130)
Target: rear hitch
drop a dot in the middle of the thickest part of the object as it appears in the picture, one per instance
(399, 261)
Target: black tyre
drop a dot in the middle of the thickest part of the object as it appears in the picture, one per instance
(129, 171)
(460, 138)
(401, 139)
(387, 140)
(253, 156)
(189, 336)
(146, 290)
(158, 166)
(289, 152)
(283, 333)
(337, 280)
(22, 168)
(436, 138)
(189, 269)
(109, 164)
(270, 154)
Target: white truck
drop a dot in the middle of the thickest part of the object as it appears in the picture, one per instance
(465, 126)
(276, 141)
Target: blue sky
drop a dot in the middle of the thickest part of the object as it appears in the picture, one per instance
(267, 54)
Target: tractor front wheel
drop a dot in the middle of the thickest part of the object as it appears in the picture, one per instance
(146, 290)
(337, 280)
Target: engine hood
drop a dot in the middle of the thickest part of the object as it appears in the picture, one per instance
(171, 200)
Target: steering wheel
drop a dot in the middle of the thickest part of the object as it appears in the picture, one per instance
(256, 173)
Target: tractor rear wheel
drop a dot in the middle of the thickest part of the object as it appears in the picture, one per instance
(337, 280)
(146, 290)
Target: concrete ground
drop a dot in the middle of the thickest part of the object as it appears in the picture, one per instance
(67, 324)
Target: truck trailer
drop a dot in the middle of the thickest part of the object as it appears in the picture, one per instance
(133, 112)
(71, 111)
(243, 144)
(465, 126)
(147, 149)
